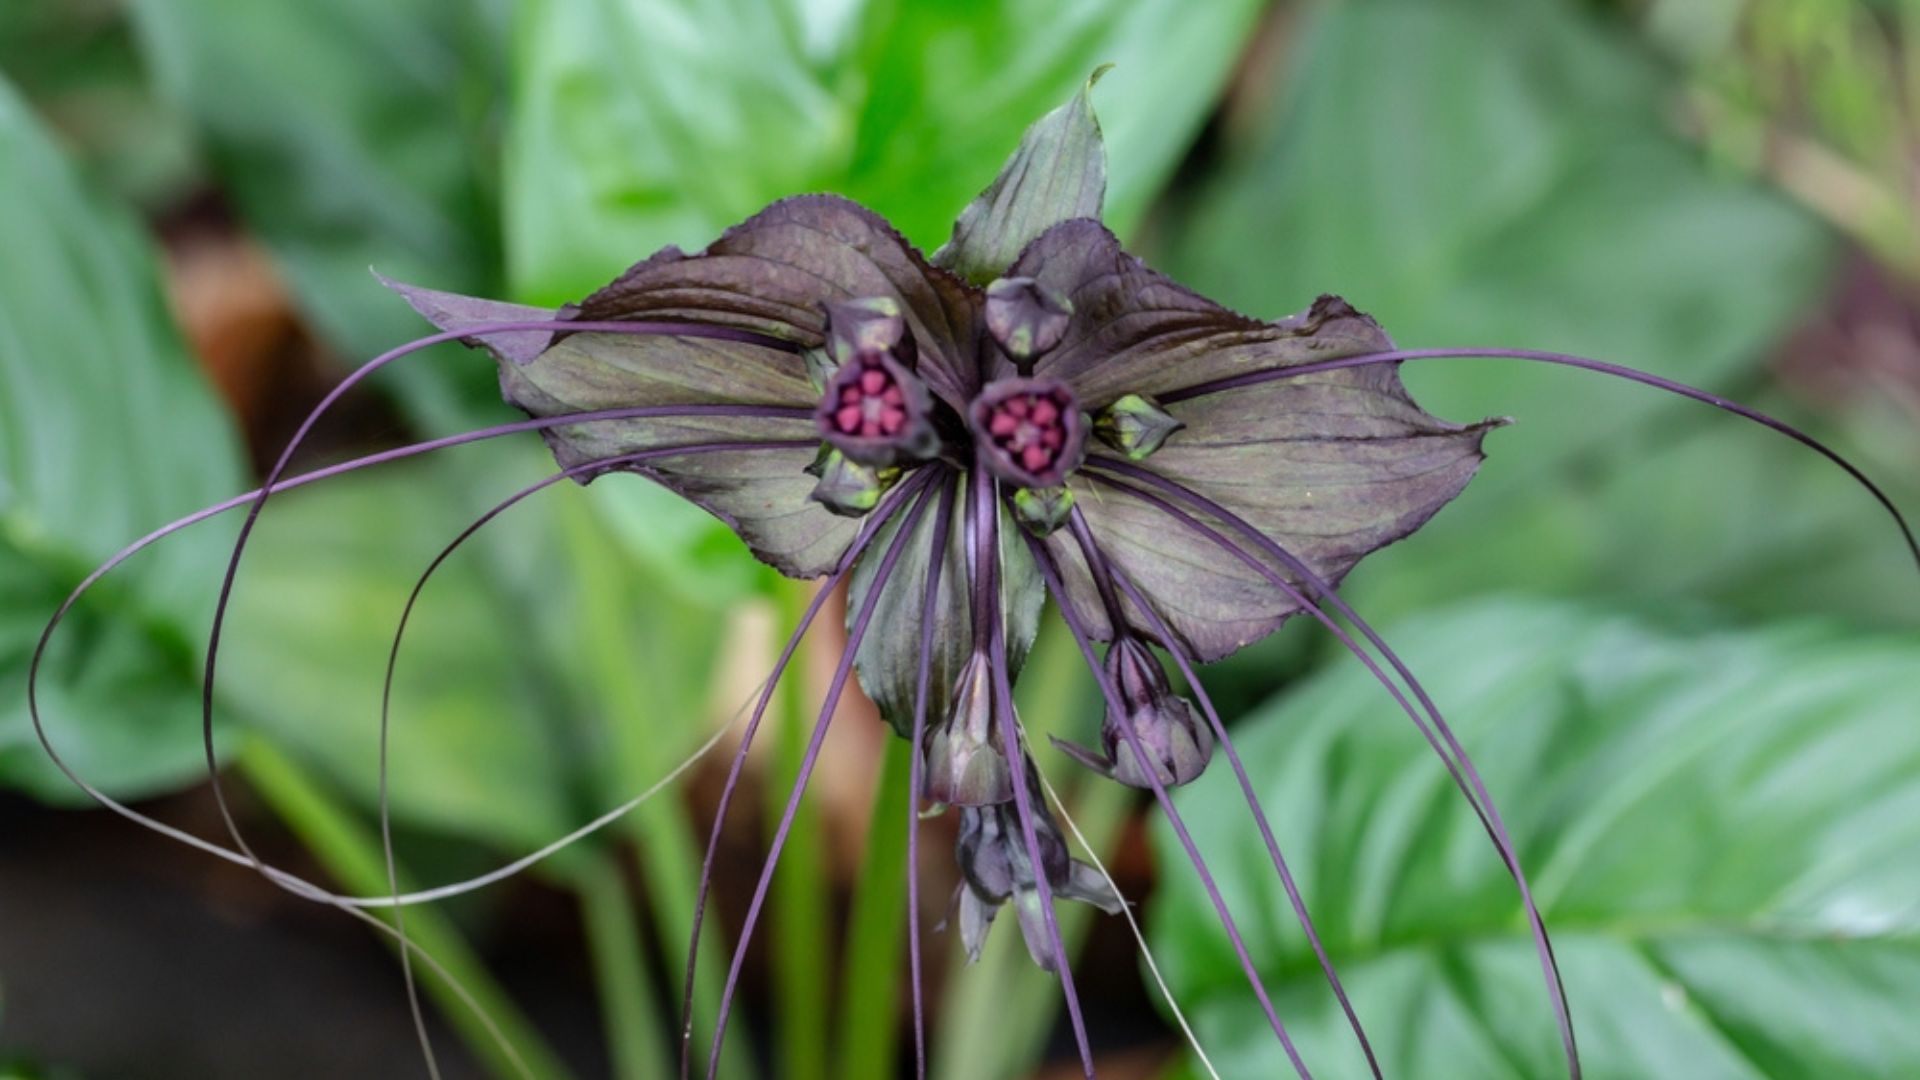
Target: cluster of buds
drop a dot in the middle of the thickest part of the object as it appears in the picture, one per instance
(996, 870)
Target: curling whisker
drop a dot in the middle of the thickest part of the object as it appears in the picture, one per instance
(1133, 925)
(842, 673)
(1050, 572)
(1619, 371)
(1458, 764)
(1113, 576)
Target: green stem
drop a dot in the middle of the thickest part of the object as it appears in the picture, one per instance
(351, 854)
(870, 979)
(636, 1039)
(798, 922)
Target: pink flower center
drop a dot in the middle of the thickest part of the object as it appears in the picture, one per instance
(871, 405)
(1030, 428)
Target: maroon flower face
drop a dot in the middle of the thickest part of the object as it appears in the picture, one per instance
(875, 410)
(1030, 431)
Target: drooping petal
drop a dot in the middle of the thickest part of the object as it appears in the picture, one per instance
(771, 274)
(888, 662)
(1058, 173)
(1330, 466)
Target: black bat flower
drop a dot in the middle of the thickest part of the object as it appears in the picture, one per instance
(1027, 381)
(1030, 411)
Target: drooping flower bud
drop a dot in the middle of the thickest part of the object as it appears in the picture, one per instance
(1177, 743)
(1041, 511)
(1031, 431)
(1026, 318)
(1135, 426)
(965, 763)
(996, 867)
(875, 410)
(847, 487)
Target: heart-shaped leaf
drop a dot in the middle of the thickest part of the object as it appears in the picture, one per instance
(1719, 826)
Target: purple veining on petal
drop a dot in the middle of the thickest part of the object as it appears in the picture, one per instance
(1564, 360)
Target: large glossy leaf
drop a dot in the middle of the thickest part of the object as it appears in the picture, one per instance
(1719, 824)
(641, 123)
(106, 431)
(350, 134)
(1501, 173)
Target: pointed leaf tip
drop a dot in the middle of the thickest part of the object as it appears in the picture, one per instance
(1058, 173)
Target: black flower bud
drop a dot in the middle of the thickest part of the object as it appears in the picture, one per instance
(1026, 318)
(1030, 431)
(1175, 740)
(1135, 426)
(996, 868)
(965, 763)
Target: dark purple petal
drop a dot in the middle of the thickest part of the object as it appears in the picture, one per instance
(1331, 467)
(773, 273)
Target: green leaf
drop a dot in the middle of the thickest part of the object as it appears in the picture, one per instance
(106, 431)
(1502, 173)
(1718, 826)
(474, 751)
(1056, 174)
(642, 123)
(350, 134)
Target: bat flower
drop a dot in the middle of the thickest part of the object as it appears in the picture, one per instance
(1029, 411)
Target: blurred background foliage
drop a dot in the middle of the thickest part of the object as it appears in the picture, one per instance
(1695, 689)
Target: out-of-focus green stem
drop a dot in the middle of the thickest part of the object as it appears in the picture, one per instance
(998, 1015)
(637, 1040)
(798, 921)
(351, 853)
(646, 740)
(869, 1020)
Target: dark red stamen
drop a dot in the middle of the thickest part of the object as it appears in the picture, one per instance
(872, 405)
(1028, 428)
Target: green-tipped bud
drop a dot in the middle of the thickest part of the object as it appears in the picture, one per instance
(1135, 426)
(870, 325)
(1026, 318)
(1041, 511)
(965, 764)
(847, 487)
